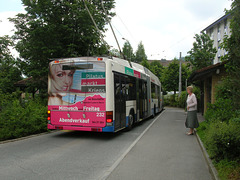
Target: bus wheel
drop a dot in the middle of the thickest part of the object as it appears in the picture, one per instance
(154, 110)
(130, 122)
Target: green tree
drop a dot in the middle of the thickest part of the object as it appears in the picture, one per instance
(202, 53)
(140, 53)
(170, 76)
(9, 71)
(145, 63)
(58, 29)
(157, 68)
(115, 53)
(232, 46)
(128, 51)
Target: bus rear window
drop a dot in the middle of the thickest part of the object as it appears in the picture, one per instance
(77, 66)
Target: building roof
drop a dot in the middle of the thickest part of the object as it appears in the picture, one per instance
(197, 75)
(216, 22)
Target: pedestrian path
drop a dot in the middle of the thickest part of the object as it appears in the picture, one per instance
(165, 152)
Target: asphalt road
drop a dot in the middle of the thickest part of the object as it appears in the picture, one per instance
(161, 151)
(65, 155)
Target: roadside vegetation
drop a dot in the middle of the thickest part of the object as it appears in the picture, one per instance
(174, 100)
(220, 132)
(21, 117)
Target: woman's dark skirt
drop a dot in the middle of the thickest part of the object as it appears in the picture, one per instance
(192, 120)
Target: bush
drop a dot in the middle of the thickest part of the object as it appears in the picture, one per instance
(175, 101)
(182, 99)
(197, 92)
(223, 90)
(170, 100)
(221, 110)
(228, 169)
(223, 139)
(20, 119)
(203, 126)
(166, 100)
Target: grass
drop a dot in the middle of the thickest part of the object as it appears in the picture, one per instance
(201, 131)
(227, 170)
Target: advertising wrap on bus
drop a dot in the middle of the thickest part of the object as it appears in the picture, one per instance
(77, 94)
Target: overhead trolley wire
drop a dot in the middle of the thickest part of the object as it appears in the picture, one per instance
(126, 28)
(177, 42)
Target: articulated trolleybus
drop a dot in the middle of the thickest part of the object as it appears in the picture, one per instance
(100, 94)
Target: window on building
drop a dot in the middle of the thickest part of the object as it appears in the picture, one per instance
(225, 27)
(219, 51)
(225, 52)
(211, 33)
(219, 33)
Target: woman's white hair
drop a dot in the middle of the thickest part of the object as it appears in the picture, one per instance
(190, 88)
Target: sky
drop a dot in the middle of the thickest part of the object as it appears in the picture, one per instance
(166, 28)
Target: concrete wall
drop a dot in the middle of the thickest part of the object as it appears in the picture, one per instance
(210, 86)
(216, 80)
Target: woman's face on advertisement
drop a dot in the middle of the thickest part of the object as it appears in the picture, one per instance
(61, 80)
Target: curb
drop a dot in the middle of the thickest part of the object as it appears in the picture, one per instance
(211, 167)
(26, 137)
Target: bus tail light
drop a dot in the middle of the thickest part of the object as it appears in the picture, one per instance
(49, 117)
(109, 118)
(99, 59)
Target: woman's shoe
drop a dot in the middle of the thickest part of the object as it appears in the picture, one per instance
(189, 134)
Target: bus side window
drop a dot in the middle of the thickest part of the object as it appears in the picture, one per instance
(159, 95)
(131, 88)
(153, 91)
(117, 87)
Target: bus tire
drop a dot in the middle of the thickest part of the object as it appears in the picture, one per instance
(154, 111)
(130, 121)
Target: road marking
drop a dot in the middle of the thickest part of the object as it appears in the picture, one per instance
(117, 162)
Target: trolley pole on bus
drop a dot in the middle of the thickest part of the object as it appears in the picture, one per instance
(180, 76)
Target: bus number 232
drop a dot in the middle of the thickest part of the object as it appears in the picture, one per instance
(99, 114)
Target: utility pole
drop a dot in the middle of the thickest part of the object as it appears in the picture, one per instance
(180, 76)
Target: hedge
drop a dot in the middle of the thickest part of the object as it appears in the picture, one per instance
(20, 118)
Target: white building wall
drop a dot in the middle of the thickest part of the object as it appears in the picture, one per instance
(217, 33)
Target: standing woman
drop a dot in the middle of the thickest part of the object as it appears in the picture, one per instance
(191, 121)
